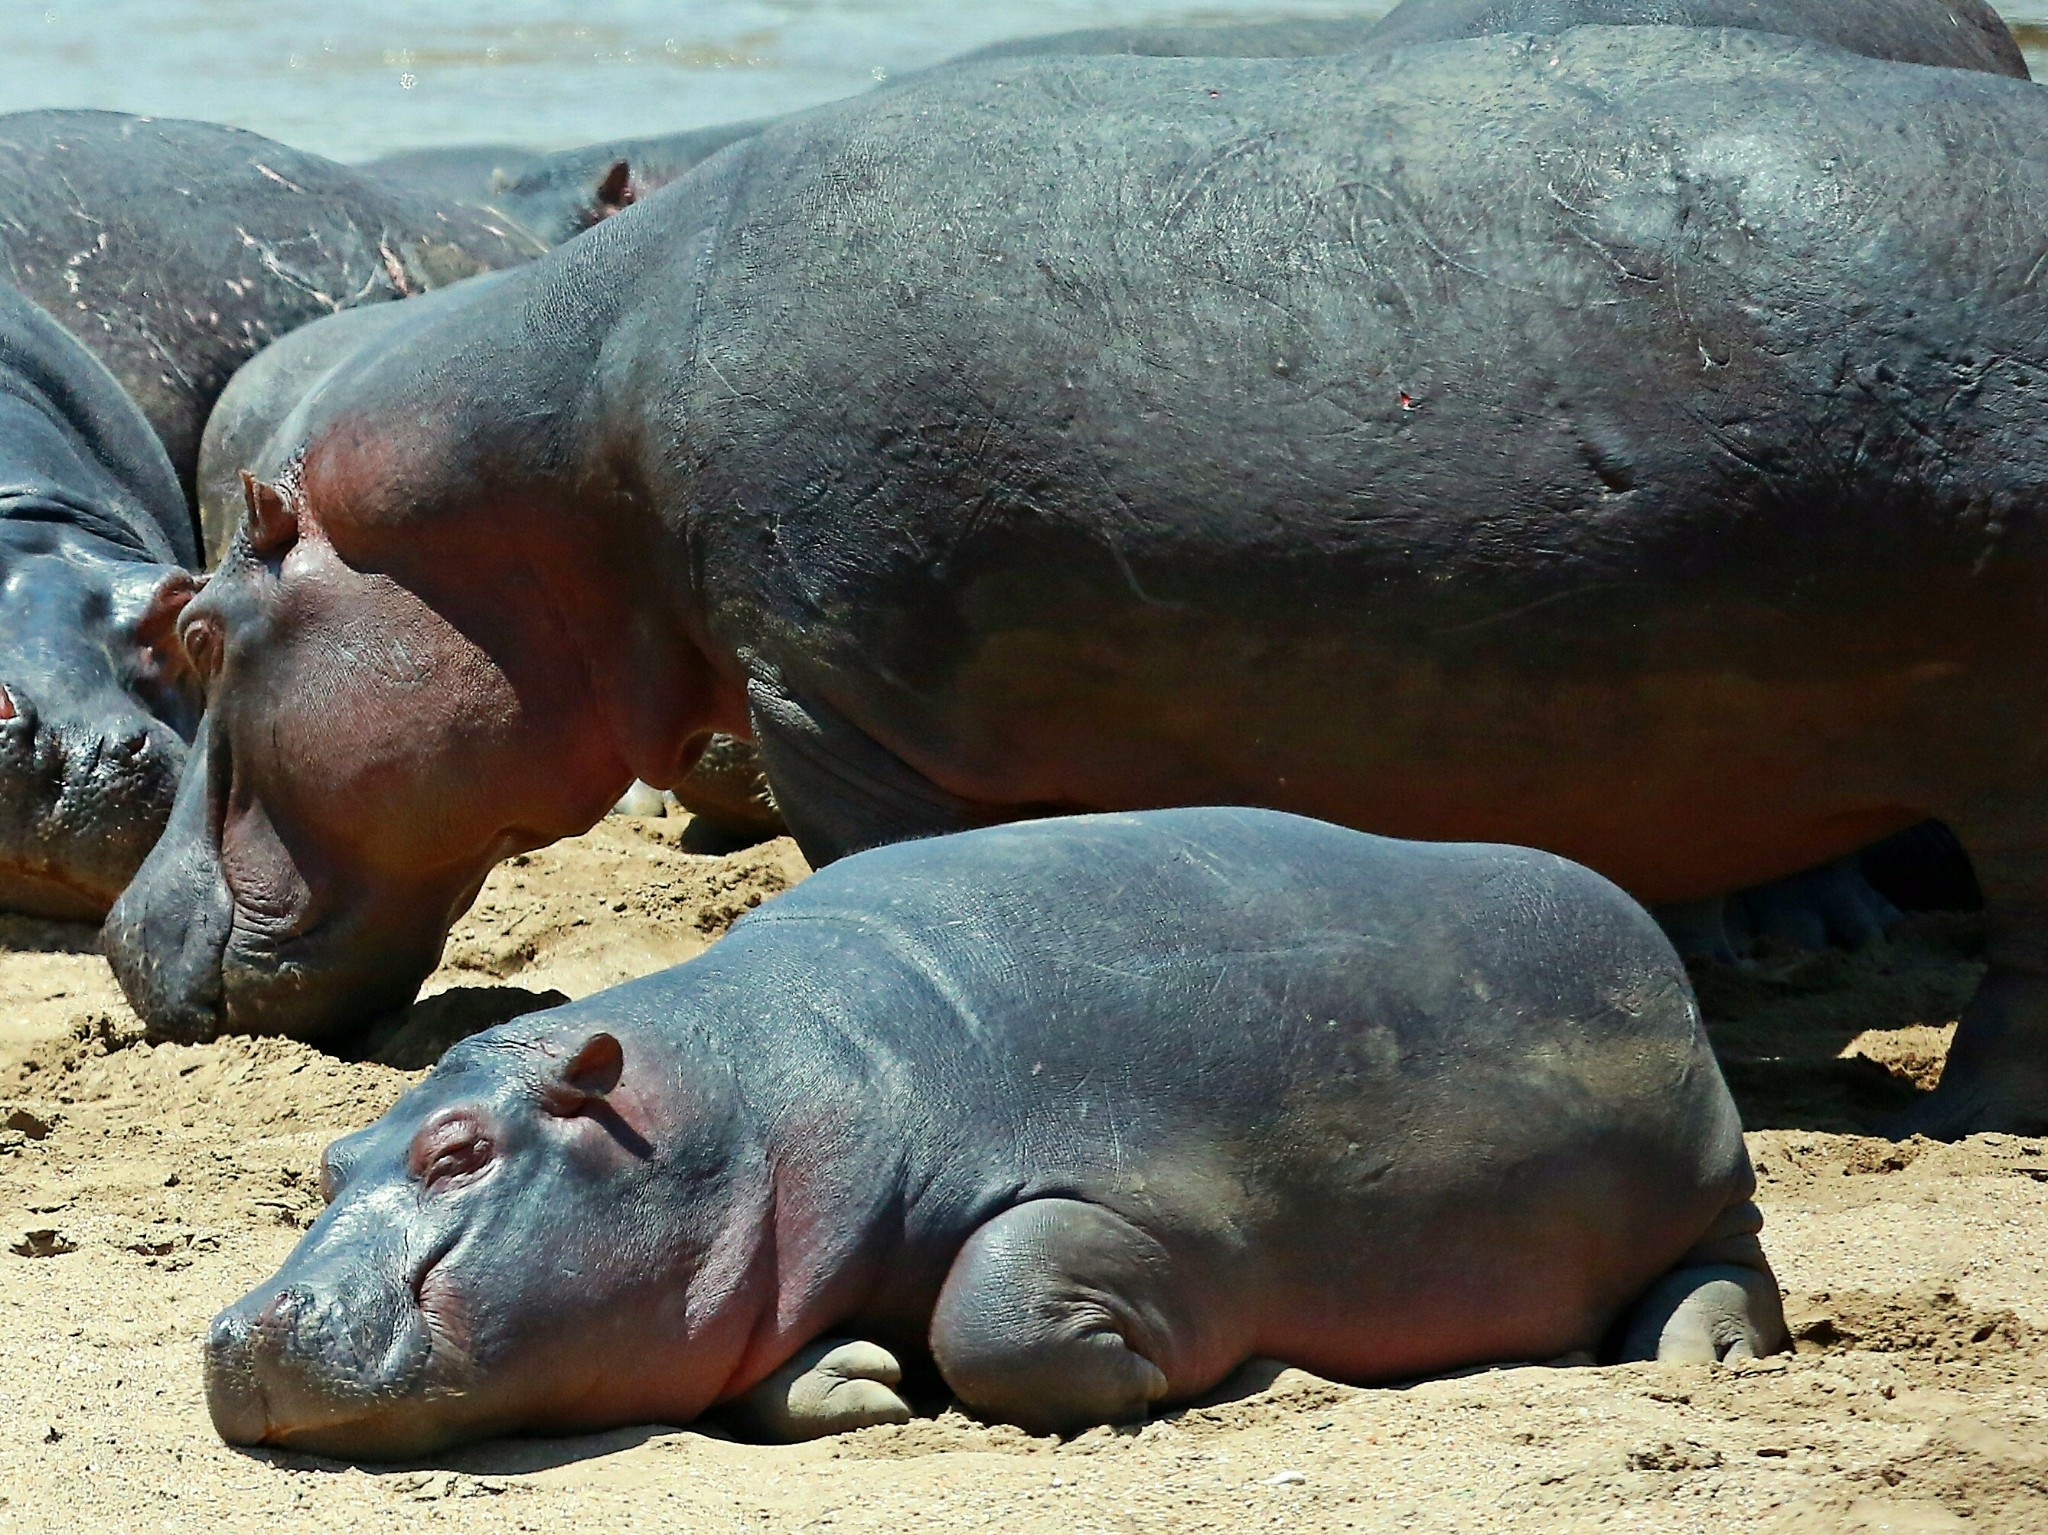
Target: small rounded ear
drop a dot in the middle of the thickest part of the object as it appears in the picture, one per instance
(588, 1075)
(617, 190)
(156, 629)
(273, 525)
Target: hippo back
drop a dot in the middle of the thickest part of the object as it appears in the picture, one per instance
(1203, 967)
(1957, 34)
(176, 250)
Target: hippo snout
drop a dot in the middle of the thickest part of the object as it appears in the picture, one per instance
(234, 1397)
(316, 1370)
(81, 801)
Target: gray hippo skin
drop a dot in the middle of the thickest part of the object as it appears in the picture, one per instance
(1605, 444)
(1957, 34)
(1093, 1109)
(175, 251)
(563, 194)
(95, 699)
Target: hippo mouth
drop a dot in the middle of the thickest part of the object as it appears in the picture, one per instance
(342, 1375)
(79, 809)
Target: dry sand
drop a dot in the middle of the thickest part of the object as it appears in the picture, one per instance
(142, 1187)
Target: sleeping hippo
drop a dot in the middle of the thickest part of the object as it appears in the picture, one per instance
(95, 702)
(1601, 444)
(1091, 1109)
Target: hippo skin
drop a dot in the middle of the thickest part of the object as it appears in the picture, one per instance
(562, 194)
(1093, 1109)
(175, 250)
(1955, 34)
(95, 698)
(1607, 444)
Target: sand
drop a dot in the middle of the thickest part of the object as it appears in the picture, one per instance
(144, 1186)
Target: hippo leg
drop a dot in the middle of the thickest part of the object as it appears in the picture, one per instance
(1831, 905)
(1053, 1318)
(832, 1387)
(1698, 929)
(1996, 1075)
(1719, 1302)
(841, 791)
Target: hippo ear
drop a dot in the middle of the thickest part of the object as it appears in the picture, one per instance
(588, 1075)
(273, 525)
(617, 190)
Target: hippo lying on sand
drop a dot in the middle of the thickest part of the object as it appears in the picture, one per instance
(1601, 444)
(94, 701)
(1092, 1109)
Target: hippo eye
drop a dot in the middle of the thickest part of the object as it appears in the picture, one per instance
(449, 1149)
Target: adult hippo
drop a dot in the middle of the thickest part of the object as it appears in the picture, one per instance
(1093, 1109)
(175, 251)
(1602, 444)
(94, 696)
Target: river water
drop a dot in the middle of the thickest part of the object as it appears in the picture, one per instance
(354, 78)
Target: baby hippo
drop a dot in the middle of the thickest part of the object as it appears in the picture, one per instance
(1086, 1112)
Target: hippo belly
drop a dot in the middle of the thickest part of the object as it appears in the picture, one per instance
(1090, 1109)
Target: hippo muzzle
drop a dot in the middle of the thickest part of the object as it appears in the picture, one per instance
(198, 957)
(338, 1352)
(91, 726)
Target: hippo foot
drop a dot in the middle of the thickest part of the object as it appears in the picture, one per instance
(1833, 906)
(832, 1387)
(1715, 1312)
(1967, 1103)
(1996, 1076)
(1047, 1318)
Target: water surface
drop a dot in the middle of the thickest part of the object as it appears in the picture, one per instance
(355, 78)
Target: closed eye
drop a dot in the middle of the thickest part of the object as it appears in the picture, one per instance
(448, 1150)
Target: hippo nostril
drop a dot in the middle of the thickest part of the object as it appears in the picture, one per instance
(234, 1396)
(280, 1318)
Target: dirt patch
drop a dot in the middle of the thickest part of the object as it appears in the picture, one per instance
(143, 1186)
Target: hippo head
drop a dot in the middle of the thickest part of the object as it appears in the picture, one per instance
(379, 734)
(526, 1242)
(95, 708)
